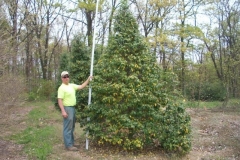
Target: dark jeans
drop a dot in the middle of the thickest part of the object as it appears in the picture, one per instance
(69, 126)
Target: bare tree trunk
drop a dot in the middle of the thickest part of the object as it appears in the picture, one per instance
(12, 7)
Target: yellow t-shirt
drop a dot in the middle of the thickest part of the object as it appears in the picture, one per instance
(68, 94)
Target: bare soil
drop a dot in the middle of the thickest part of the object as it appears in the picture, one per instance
(12, 121)
(215, 136)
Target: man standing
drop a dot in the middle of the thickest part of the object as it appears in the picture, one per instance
(66, 102)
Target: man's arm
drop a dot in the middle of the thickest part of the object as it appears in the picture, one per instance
(60, 103)
(85, 83)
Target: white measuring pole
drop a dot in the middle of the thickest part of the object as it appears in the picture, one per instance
(91, 69)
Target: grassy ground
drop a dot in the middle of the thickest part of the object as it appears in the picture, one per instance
(39, 136)
(213, 104)
(37, 129)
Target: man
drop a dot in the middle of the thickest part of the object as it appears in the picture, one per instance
(66, 102)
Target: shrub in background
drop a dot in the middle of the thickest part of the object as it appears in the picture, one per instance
(64, 66)
(45, 89)
(206, 91)
(79, 72)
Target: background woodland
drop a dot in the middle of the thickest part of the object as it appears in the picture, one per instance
(197, 40)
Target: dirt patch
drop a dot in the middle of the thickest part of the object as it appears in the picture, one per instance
(11, 151)
(215, 135)
(12, 121)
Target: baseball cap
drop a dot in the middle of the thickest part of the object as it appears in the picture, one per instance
(64, 73)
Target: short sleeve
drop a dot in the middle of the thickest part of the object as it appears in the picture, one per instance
(60, 93)
(75, 86)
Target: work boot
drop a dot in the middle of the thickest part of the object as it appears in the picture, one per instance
(72, 148)
(76, 145)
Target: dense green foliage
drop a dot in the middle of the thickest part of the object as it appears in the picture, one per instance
(79, 72)
(135, 104)
(64, 66)
(206, 91)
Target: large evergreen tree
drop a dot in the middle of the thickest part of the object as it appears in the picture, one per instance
(133, 100)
